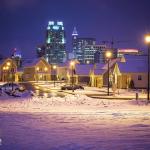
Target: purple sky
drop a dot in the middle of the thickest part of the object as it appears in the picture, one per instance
(23, 22)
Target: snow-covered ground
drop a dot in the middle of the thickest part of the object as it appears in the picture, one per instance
(73, 122)
(120, 93)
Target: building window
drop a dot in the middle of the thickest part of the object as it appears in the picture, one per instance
(139, 77)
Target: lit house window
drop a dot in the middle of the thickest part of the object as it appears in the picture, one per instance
(139, 77)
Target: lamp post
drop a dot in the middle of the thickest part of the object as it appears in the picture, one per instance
(5, 68)
(72, 63)
(54, 68)
(37, 70)
(11, 65)
(45, 76)
(108, 56)
(147, 40)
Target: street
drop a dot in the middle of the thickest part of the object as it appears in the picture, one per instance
(41, 91)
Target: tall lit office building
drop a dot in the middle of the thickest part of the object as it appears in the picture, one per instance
(79, 45)
(75, 43)
(94, 54)
(55, 51)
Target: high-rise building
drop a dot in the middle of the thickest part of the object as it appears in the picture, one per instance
(94, 54)
(55, 51)
(74, 41)
(79, 45)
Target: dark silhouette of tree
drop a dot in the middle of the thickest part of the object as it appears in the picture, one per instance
(131, 85)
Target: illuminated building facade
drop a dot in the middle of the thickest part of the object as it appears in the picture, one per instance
(121, 52)
(55, 51)
(79, 45)
(94, 54)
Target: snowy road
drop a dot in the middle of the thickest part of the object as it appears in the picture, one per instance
(45, 131)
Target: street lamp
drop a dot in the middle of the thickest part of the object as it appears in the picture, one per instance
(4, 75)
(37, 70)
(72, 64)
(12, 70)
(108, 55)
(45, 76)
(147, 40)
(54, 68)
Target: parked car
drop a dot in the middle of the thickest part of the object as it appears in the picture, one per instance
(70, 87)
(8, 87)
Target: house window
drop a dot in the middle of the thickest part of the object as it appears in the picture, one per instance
(139, 77)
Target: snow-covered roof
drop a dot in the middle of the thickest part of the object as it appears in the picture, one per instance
(111, 63)
(99, 65)
(83, 69)
(30, 62)
(99, 71)
(133, 64)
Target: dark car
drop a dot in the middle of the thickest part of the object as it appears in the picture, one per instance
(10, 86)
(70, 87)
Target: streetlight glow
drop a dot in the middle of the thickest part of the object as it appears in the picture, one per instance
(54, 67)
(108, 54)
(72, 63)
(147, 38)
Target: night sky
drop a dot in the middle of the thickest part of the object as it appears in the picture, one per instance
(23, 22)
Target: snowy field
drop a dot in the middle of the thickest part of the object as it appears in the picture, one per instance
(74, 122)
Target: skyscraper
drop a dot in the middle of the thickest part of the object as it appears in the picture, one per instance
(75, 41)
(94, 54)
(55, 51)
(79, 45)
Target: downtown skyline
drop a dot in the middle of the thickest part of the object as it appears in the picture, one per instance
(23, 23)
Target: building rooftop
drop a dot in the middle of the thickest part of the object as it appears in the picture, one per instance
(133, 64)
(84, 69)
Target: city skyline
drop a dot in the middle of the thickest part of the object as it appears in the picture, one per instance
(23, 23)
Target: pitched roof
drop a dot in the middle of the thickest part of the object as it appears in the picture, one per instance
(31, 62)
(83, 69)
(133, 64)
(99, 65)
(99, 71)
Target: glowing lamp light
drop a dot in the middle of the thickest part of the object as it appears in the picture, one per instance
(8, 63)
(72, 63)
(54, 67)
(45, 68)
(37, 69)
(108, 54)
(7, 68)
(4, 68)
(147, 38)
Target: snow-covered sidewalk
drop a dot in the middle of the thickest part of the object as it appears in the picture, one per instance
(78, 103)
